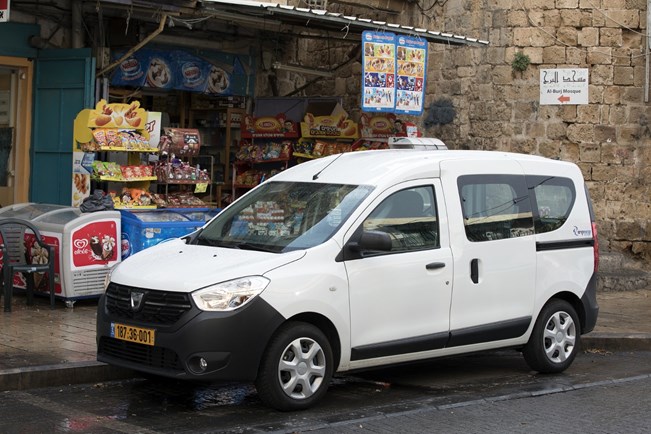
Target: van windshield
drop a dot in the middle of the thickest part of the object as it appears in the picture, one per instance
(284, 216)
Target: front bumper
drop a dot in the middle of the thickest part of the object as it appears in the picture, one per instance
(232, 343)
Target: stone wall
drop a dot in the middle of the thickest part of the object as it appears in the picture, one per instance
(498, 108)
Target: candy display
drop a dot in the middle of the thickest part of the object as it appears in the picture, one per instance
(172, 169)
(106, 139)
(320, 148)
(253, 177)
(106, 170)
(177, 200)
(273, 150)
(132, 197)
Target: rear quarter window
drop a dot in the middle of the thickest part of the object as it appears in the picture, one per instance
(553, 199)
(495, 207)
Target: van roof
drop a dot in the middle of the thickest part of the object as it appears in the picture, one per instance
(377, 167)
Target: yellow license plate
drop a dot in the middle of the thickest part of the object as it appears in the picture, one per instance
(133, 334)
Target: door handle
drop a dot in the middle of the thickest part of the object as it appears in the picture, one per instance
(435, 265)
(474, 270)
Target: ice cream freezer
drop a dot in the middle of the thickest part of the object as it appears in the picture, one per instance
(86, 246)
(143, 229)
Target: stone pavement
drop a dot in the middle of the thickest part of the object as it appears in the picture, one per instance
(40, 347)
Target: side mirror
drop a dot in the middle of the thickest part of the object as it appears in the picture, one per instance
(372, 240)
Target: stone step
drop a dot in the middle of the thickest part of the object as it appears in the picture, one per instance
(619, 272)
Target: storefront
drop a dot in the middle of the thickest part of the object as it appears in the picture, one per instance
(16, 72)
(238, 39)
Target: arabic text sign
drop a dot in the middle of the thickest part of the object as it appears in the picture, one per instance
(564, 86)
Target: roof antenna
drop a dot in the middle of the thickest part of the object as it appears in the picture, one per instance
(316, 175)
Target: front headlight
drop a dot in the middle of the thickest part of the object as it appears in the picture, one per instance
(229, 295)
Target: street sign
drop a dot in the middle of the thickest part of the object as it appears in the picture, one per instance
(4, 11)
(564, 86)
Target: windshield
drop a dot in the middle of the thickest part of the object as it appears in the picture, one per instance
(284, 216)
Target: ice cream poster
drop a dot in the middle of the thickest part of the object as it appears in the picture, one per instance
(379, 69)
(214, 74)
(96, 243)
(410, 79)
(39, 255)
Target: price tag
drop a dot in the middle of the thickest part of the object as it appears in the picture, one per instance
(201, 188)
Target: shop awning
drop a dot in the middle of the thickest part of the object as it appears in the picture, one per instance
(275, 14)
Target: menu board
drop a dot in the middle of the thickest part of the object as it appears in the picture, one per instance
(410, 81)
(379, 71)
(394, 69)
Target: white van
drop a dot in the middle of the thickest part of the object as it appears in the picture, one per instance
(364, 259)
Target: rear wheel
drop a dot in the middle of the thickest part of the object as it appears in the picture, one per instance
(555, 339)
(296, 368)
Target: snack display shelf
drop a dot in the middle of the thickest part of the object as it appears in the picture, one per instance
(123, 149)
(116, 179)
(244, 186)
(269, 160)
(184, 181)
(302, 155)
(135, 207)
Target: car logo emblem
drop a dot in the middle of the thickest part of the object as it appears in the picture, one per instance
(136, 300)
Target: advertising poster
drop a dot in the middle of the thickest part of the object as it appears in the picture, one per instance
(269, 127)
(379, 71)
(95, 244)
(38, 255)
(411, 64)
(221, 74)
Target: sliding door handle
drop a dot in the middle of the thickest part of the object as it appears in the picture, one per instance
(435, 265)
(474, 270)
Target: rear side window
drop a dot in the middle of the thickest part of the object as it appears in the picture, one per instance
(553, 199)
(495, 207)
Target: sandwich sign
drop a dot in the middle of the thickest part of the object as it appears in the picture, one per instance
(4, 10)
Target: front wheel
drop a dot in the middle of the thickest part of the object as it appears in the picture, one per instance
(296, 367)
(555, 338)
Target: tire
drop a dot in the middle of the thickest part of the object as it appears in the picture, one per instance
(555, 338)
(296, 368)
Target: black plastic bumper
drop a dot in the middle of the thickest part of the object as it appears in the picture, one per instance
(232, 344)
(590, 306)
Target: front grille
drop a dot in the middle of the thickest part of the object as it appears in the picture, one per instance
(158, 307)
(154, 357)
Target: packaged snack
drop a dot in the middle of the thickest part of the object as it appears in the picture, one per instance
(286, 151)
(319, 148)
(112, 138)
(100, 137)
(330, 148)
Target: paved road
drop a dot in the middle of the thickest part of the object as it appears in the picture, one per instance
(493, 392)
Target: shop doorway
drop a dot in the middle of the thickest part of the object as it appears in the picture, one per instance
(15, 106)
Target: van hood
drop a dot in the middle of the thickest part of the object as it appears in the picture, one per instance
(180, 267)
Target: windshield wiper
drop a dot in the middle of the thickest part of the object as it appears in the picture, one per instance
(256, 247)
(207, 241)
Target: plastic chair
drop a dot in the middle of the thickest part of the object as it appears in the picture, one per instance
(15, 259)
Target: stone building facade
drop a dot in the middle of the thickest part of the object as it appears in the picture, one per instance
(476, 100)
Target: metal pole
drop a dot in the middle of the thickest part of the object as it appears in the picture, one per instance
(646, 51)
